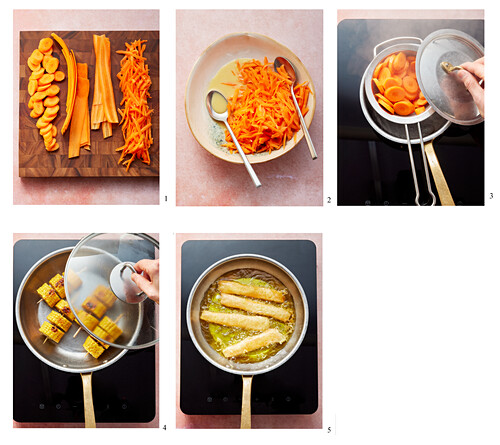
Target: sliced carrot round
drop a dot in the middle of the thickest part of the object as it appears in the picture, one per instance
(412, 97)
(32, 86)
(391, 82)
(51, 101)
(404, 108)
(420, 102)
(411, 69)
(410, 84)
(399, 61)
(36, 56)
(395, 94)
(384, 104)
(379, 85)
(377, 69)
(59, 76)
(45, 79)
(45, 44)
(385, 73)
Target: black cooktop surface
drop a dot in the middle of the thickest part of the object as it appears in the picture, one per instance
(122, 393)
(375, 171)
(291, 388)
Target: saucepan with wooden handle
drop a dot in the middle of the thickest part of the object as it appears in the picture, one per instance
(68, 355)
(247, 370)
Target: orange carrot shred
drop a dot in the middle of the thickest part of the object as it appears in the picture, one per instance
(135, 114)
(262, 114)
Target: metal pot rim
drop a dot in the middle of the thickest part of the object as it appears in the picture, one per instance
(262, 369)
(27, 342)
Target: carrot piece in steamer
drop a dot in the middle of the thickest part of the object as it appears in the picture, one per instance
(395, 94)
(404, 108)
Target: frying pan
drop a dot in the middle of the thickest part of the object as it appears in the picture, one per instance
(427, 125)
(68, 355)
(246, 370)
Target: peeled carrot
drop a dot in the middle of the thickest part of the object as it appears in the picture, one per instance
(79, 110)
(103, 105)
(261, 110)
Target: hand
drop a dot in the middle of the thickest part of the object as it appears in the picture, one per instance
(472, 71)
(149, 281)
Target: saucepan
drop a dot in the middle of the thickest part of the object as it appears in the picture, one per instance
(246, 370)
(438, 87)
(68, 355)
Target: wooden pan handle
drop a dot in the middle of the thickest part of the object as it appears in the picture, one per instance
(439, 179)
(246, 402)
(88, 403)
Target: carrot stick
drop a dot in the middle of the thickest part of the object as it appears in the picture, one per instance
(78, 119)
(135, 114)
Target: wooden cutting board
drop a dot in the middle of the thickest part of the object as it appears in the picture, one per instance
(102, 159)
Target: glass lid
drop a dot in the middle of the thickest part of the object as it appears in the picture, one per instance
(102, 295)
(444, 91)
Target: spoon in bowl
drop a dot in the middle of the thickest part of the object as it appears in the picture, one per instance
(217, 108)
(279, 61)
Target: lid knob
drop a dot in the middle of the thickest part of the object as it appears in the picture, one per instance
(122, 285)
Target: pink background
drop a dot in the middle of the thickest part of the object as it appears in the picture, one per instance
(293, 179)
(409, 14)
(155, 422)
(78, 190)
(261, 421)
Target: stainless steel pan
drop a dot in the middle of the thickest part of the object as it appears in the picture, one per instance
(68, 355)
(247, 370)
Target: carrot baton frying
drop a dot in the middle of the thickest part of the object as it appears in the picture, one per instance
(255, 342)
(249, 322)
(247, 290)
(255, 307)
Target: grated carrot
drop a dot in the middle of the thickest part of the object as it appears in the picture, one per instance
(135, 114)
(262, 114)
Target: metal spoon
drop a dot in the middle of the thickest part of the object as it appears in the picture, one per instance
(222, 117)
(279, 61)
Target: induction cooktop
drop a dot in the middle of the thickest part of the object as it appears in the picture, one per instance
(292, 388)
(371, 169)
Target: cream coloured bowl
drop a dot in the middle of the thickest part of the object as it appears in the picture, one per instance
(228, 48)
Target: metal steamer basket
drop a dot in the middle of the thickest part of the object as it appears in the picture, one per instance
(410, 130)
